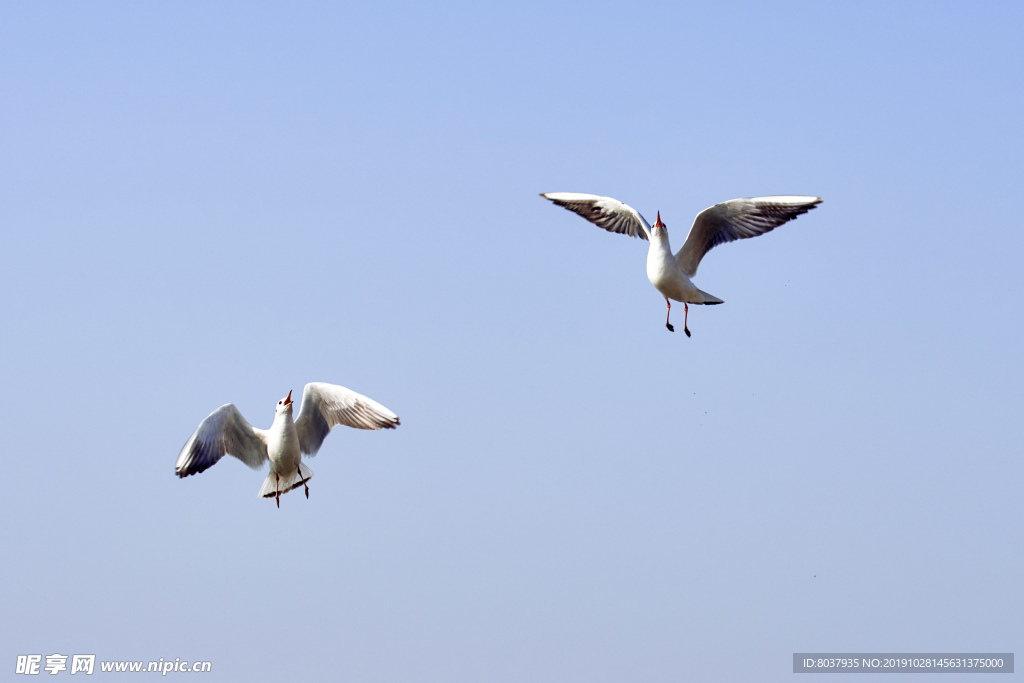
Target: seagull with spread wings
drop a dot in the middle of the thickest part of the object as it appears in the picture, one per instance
(670, 273)
(324, 406)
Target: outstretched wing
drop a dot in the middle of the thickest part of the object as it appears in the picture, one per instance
(738, 219)
(604, 212)
(223, 432)
(324, 406)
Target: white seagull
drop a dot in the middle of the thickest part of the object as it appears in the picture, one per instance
(670, 273)
(324, 406)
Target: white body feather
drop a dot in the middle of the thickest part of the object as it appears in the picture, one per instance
(668, 278)
(285, 456)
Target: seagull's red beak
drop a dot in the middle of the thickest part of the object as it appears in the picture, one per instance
(658, 223)
(288, 401)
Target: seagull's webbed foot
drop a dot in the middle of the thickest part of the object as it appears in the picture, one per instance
(672, 329)
(686, 314)
(668, 312)
(277, 492)
(687, 332)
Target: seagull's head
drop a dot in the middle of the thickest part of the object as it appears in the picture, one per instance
(285, 405)
(658, 225)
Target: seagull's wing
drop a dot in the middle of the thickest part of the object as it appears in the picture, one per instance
(324, 406)
(604, 212)
(223, 432)
(738, 219)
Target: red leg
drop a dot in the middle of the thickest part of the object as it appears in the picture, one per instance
(667, 314)
(686, 314)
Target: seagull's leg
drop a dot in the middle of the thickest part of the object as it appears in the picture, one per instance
(686, 314)
(667, 314)
(277, 493)
(303, 482)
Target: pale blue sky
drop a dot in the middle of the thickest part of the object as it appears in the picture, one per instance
(219, 202)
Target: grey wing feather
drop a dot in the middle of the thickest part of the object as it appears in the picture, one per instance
(738, 219)
(223, 432)
(324, 406)
(604, 212)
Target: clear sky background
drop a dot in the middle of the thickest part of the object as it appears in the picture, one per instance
(215, 202)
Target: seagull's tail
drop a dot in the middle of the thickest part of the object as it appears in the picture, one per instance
(271, 486)
(708, 299)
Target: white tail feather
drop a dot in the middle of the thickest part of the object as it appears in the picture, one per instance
(709, 298)
(271, 486)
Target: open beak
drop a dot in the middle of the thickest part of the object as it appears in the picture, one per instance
(658, 223)
(288, 401)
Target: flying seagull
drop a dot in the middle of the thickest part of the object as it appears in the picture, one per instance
(670, 273)
(324, 406)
